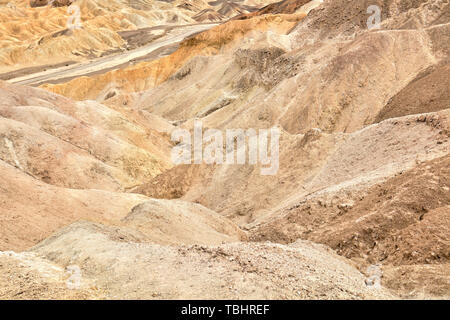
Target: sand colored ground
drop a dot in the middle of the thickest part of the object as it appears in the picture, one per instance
(124, 268)
(363, 179)
(33, 278)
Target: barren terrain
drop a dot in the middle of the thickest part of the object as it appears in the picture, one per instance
(88, 182)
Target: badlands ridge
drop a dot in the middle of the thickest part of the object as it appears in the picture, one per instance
(87, 180)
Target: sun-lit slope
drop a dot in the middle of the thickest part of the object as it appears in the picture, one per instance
(146, 75)
(38, 34)
(339, 83)
(77, 145)
(179, 222)
(31, 209)
(54, 152)
(315, 83)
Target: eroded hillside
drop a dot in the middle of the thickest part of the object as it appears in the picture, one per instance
(363, 175)
(47, 33)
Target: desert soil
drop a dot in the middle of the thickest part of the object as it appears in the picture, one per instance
(92, 206)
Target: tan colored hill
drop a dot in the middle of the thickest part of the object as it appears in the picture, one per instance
(282, 79)
(286, 7)
(180, 222)
(62, 161)
(47, 136)
(36, 33)
(119, 267)
(401, 223)
(324, 84)
(146, 75)
(309, 163)
(428, 92)
(378, 222)
(31, 210)
(363, 179)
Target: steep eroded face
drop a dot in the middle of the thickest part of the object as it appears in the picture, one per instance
(225, 149)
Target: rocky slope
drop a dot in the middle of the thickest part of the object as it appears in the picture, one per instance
(362, 185)
(38, 33)
(122, 267)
